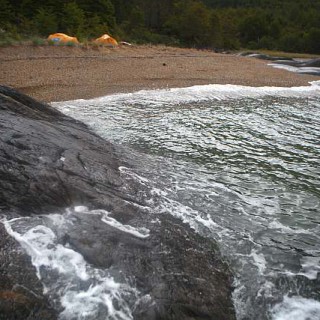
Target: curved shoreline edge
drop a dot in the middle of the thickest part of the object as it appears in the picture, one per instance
(75, 73)
(198, 93)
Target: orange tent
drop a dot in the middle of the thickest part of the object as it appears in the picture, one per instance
(106, 40)
(62, 38)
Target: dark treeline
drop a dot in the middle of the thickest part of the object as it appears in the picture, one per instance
(289, 25)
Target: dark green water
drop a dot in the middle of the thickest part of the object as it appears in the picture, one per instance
(244, 171)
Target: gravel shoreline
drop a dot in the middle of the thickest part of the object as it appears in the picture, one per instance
(65, 73)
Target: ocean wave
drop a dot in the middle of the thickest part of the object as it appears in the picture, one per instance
(199, 93)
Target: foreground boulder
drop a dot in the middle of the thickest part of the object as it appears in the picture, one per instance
(50, 162)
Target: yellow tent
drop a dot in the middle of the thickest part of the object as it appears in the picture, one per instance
(62, 38)
(106, 40)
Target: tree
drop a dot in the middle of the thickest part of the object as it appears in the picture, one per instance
(6, 14)
(103, 9)
(292, 42)
(72, 19)
(313, 40)
(284, 24)
(45, 21)
(193, 23)
(229, 23)
(253, 28)
(275, 29)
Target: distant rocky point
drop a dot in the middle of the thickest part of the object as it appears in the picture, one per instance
(302, 66)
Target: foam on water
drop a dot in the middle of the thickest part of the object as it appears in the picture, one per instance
(259, 260)
(175, 96)
(219, 227)
(310, 70)
(278, 225)
(296, 308)
(284, 67)
(310, 267)
(236, 163)
(79, 290)
(137, 232)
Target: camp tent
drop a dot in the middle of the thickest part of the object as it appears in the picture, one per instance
(62, 38)
(106, 40)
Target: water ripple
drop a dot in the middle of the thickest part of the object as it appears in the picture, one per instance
(239, 166)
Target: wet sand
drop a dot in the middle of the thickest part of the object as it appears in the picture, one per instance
(64, 73)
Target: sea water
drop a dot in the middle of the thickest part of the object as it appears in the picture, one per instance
(76, 289)
(240, 165)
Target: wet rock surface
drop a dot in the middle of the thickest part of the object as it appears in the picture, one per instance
(306, 66)
(261, 56)
(302, 63)
(49, 162)
(303, 66)
(21, 294)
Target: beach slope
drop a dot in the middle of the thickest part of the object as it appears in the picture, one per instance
(52, 73)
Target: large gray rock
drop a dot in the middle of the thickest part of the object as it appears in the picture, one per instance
(49, 162)
(306, 66)
(310, 63)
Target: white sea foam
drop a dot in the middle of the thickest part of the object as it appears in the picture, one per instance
(266, 290)
(140, 232)
(259, 260)
(284, 67)
(310, 266)
(296, 308)
(310, 70)
(82, 291)
(185, 213)
(175, 96)
(39, 242)
(260, 209)
(140, 179)
(277, 225)
(173, 207)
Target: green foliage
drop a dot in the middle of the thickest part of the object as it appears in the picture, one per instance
(102, 11)
(292, 42)
(253, 28)
(6, 40)
(229, 20)
(94, 27)
(134, 24)
(194, 24)
(72, 18)
(266, 42)
(145, 36)
(45, 21)
(290, 25)
(313, 40)
(6, 14)
(38, 41)
(70, 44)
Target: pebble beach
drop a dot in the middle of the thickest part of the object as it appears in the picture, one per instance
(56, 73)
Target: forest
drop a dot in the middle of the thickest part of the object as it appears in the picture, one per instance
(287, 25)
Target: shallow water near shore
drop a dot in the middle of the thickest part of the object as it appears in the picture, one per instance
(241, 166)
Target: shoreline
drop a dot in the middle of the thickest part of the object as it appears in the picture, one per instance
(54, 74)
